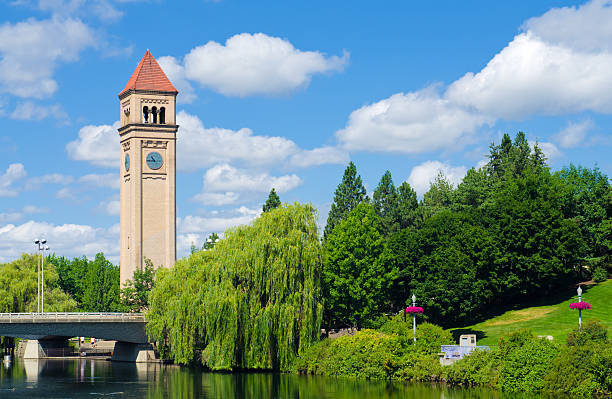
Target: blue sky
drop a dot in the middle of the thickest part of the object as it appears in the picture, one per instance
(284, 94)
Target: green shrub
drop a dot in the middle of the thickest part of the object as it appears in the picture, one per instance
(524, 360)
(429, 336)
(600, 274)
(581, 371)
(478, 369)
(592, 330)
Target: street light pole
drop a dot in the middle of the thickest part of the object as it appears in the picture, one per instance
(42, 297)
(579, 309)
(414, 319)
(39, 299)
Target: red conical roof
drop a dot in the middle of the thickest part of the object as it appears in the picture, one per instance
(149, 76)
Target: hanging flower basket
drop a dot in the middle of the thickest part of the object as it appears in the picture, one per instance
(414, 309)
(580, 305)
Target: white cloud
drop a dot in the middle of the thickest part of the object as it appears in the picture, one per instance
(319, 156)
(574, 134)
(34, 183)
(98, 145)
(68, 239)
(583, 28)
(10, 217)
(14, 173)
(559, 64)
(195, 229)
(250, 64)
(31, 111)
(421, 176)
(176, 74)
(201, 147)
(31, 50)
(531, 76)
(64, 193)
(111, 206)
(225, 184)
(34, 209)
(550, 150)
(409, 123)
(101, 9)
(107, 180)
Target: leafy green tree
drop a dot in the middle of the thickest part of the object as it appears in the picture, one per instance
(252, 302)
(19, 290)
(102, 291)
(135, 293)
(355, 275)
(438, 198)
(585, 200)
(385, 202)
(71, 274)
(349, 193)
(272, 202)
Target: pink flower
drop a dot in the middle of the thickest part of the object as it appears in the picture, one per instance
(580, 305)
(414, 309)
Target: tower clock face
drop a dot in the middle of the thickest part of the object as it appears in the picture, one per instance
(154, 160)
(127, 162)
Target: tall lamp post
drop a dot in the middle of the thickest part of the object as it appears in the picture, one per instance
(579, 309)
(39, 246)
(42, 279)
(40, 289)
(580, 305)
(414, 310)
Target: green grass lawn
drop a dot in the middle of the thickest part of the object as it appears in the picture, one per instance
(556, 319)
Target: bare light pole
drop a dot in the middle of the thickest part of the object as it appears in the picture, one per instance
(40, 244)
(579, 309)
(42, 297)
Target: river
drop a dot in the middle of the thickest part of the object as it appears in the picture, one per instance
(88, 378)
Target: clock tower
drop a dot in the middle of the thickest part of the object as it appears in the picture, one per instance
(148, 177)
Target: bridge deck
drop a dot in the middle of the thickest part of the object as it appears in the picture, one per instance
(126, 327)
(74, 317)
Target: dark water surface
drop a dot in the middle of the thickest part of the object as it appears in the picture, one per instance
(87, 378)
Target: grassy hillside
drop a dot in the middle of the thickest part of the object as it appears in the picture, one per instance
(552, 319)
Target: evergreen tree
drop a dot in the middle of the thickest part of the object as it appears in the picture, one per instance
(407, 205)
(348, 195)
(272, 202)
(385, 202)
(356, 277)
(102, 292)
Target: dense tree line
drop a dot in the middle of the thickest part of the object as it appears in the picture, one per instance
(509, 232)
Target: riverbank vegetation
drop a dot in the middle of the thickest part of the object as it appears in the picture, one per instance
(253, 301)
(520, 363)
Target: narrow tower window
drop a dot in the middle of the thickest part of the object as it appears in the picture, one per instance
(145, 114)
(154, 112)
(162, 115)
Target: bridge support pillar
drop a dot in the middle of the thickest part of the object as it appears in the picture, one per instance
(135, 353)
(40, 349)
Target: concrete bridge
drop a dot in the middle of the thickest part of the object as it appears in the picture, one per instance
(46, 330)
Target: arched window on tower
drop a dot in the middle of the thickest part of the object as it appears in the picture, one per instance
(154, 112)
(145, 114)
(162, 115)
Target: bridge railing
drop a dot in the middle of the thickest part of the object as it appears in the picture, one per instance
(71, 317)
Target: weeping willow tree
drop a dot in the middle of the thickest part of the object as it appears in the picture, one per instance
(251, 302)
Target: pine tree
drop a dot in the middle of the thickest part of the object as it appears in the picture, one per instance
(407, 205)
(385, 201)
(272, 202)
(348, 195)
